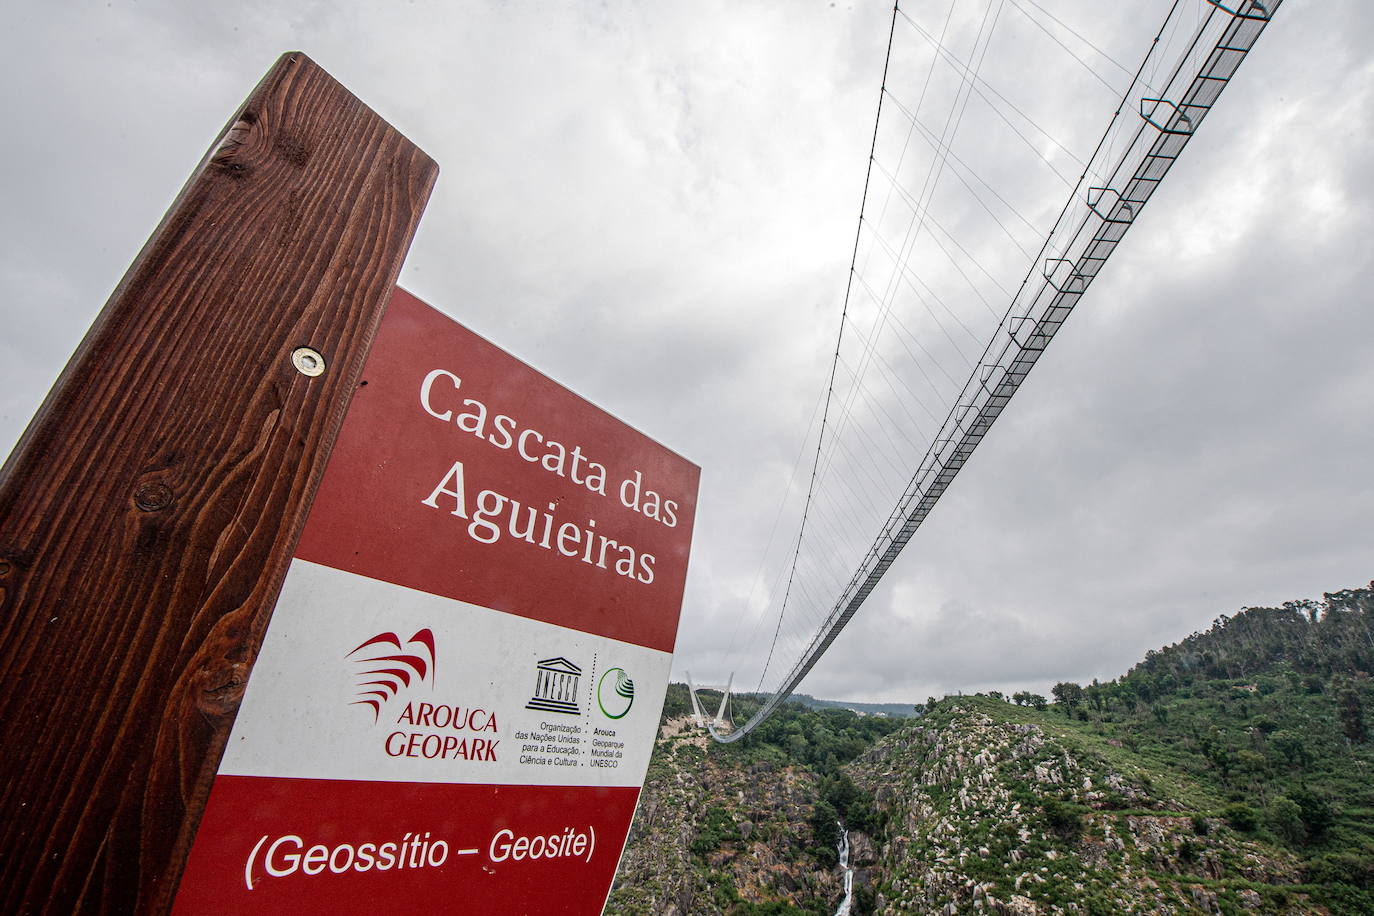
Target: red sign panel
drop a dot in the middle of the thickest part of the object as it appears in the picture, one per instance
(456, 699)
(568, 515)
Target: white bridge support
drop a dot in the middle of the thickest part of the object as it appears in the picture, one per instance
(696, 705)
(719, 721)
(724, 698)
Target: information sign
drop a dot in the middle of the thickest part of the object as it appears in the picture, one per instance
(457, 696)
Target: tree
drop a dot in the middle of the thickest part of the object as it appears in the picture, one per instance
(1316, 812)
(1067, 694)
(1292, 746)
(1037, 701)
(825, 833)
(1285, 819)
(1351, 712)
(1253, 765)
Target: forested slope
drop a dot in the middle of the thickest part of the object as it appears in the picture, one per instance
(1232, 772)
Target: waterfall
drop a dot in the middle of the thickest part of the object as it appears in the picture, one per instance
(848, 872)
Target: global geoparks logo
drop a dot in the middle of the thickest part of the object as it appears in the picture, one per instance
(615, 693)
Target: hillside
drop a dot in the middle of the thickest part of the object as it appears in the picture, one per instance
(896, 710)
(1229, 773)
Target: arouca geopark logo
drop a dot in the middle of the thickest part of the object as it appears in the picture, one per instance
(384, 668)
(384, 665)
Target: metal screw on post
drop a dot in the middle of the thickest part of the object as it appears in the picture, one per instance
(153, 497)
(308, 361)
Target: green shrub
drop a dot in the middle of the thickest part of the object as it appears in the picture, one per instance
(1241, 817)
(1063, 818)
(718, 828)
(1353, 868)
(1285, 819)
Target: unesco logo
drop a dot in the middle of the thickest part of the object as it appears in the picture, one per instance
(556, 686)
(615, 693)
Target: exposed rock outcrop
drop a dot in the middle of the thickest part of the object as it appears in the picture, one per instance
(988, 815)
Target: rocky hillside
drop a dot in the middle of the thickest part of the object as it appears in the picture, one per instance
(714, 836)
(1232, 773)
(990, 814)
(979, 810)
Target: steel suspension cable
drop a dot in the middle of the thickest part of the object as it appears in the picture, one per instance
(839, 338)
(1021, 339)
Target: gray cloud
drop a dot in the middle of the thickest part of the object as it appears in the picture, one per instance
(655, 205)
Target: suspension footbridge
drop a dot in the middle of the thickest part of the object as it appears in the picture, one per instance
(895, 423)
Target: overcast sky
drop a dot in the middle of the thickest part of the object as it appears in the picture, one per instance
(655, 204)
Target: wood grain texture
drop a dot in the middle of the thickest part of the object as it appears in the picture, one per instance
(148, 514)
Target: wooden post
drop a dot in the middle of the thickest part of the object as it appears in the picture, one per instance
(148, 514)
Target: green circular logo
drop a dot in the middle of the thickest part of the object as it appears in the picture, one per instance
(615, 694)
